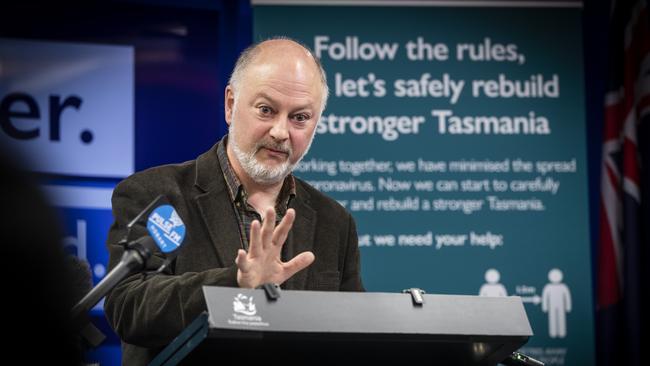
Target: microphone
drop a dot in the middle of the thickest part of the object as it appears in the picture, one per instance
(81, 283)
(134, 258)
(167, 232)
(81, 280)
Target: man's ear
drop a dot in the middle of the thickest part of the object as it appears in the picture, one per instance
(229, 102)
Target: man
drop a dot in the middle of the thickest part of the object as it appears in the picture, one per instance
(306, 241)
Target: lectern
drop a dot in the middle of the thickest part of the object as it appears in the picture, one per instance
(244, 326)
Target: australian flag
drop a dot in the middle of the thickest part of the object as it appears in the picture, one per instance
(624, 255)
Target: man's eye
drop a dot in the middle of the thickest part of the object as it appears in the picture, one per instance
(301, 117)
(265, 110)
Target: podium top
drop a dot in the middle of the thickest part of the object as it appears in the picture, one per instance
(303, 327)
(364, 315)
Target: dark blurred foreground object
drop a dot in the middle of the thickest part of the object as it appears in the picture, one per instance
(37, 296)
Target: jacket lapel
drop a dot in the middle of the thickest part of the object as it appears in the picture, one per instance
(218, 216)
(216, 209)
(301, 236)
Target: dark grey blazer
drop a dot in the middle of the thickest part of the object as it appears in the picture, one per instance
(149, 314)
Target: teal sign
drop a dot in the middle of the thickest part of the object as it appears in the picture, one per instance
(456, 138)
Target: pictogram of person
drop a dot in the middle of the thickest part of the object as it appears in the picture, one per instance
(492, 287)
(556, 301)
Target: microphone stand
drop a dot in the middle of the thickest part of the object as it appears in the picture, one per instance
(134, 258)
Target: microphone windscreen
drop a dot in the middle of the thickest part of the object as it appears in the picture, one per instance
(81, 281)
(148, 243)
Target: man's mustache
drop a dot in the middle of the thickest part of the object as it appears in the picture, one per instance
(272, 145)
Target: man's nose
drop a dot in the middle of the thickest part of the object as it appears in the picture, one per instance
(280, 129)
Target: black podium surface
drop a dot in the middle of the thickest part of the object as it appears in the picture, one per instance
(310, 327)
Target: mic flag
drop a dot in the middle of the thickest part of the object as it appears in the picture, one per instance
(164, 225)
(166, 228)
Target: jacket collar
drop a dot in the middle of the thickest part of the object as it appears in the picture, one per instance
(215, 207)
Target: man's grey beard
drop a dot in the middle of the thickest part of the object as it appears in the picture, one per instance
(258, 172)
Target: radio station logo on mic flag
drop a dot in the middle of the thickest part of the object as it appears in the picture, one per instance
(166, 228)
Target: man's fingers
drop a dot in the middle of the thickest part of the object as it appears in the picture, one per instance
(268, 226)
(298, 263)
(255, 245)
(282, 230)
(241, 261)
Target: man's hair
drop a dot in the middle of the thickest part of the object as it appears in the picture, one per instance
(249, 54)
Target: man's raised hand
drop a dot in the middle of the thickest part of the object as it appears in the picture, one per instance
(263, 262)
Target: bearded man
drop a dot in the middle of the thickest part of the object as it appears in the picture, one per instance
(249, 220)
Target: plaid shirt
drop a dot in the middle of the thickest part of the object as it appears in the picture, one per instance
(246, 213)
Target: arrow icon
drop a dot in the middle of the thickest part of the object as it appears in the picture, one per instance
(534, 299)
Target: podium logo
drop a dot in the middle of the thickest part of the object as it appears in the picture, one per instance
(245, 313)
(243, 304)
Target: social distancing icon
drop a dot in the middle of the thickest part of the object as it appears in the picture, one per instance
(555, 299)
